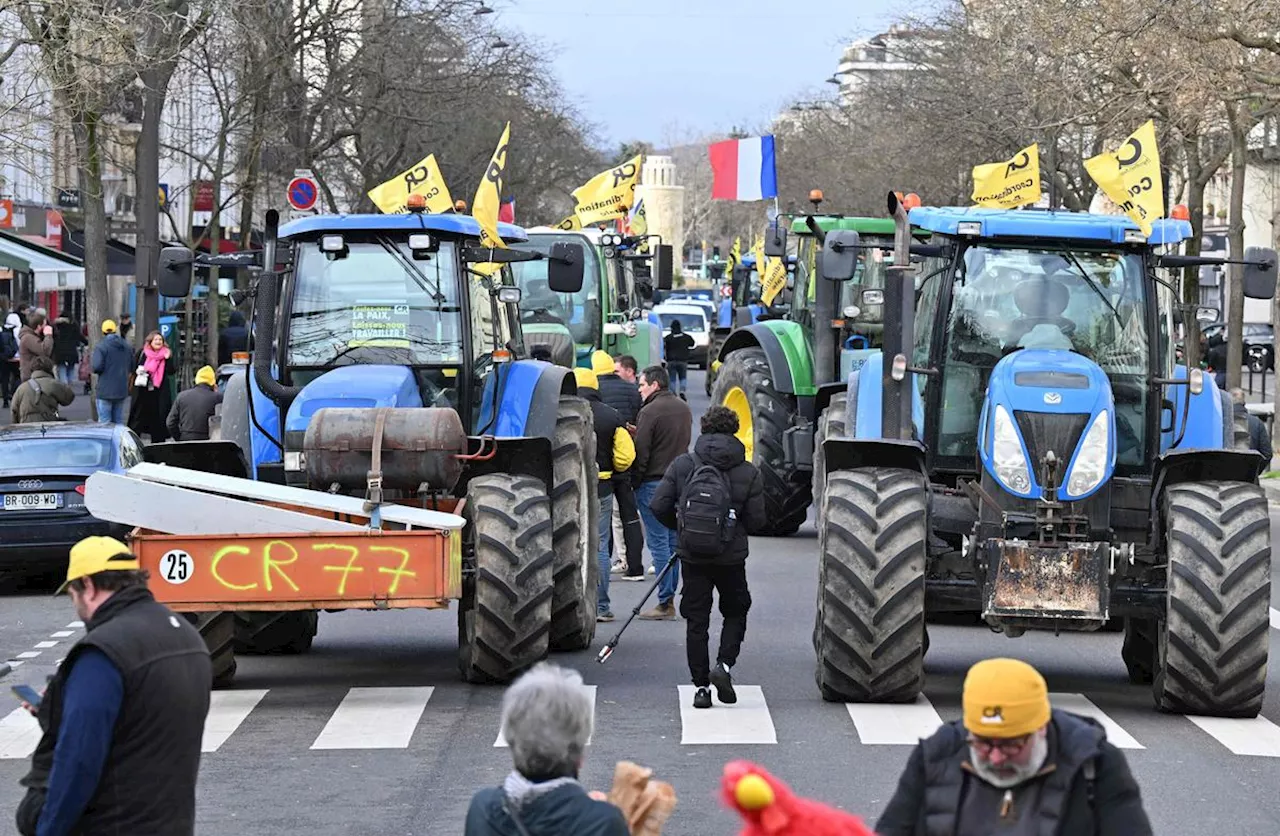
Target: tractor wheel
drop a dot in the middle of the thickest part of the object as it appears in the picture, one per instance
(713, 353)
(218, 629)
(869, 634)
(1211, 653)
(504, 618)
(575, 512)
(830, 425)
(270, 632)
(745, 386)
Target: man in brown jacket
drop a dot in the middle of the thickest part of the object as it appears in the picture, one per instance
(35, 340)
(663, 429)
(39, 397)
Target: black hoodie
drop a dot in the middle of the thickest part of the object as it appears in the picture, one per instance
(745, 486)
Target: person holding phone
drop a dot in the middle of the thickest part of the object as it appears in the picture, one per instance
(123, 717)
(34, 340)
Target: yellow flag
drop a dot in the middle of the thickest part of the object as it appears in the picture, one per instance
(1131, 176)
(1009, 184)
(423, 178)
(569, 224)
(608, 195)
(758, 250)
(488, 200)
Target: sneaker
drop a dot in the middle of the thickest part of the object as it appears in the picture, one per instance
(638, 577)
(724, 684)
(617, 567)
(652, 571)
(662, 612)
(702, 697)
(604, 616)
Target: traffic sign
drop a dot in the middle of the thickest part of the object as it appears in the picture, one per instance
(303, 193)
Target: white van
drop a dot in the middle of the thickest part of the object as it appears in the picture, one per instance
(693, 321)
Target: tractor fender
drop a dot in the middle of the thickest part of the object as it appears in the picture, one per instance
(827, 393)
(528, 399)
(1208, 424)
(852, 453)
(787, 350)
(530, 456)
(1182, 466)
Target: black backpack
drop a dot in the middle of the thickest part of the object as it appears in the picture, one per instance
(705, 513)
(8, 344)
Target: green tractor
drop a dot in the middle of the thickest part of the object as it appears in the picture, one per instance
(608, 312)
(778, 368)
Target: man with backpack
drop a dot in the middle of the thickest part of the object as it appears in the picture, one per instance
(713, 498)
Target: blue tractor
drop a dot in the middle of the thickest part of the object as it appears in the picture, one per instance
(386, 366)
(1027, 448)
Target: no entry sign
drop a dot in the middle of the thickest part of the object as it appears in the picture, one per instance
(303, 193)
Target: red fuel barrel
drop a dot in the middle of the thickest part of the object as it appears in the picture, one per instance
(418, 446)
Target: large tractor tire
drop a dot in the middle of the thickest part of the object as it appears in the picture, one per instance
(745, 386)
(713, 354)
(831, 424)
(275, 632)
(575, 512)
(218, 629)
(504, 618)
(869, 634)
(1211, 653)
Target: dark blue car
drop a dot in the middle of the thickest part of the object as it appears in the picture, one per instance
(43, 468)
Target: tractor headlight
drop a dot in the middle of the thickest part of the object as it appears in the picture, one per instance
(1006, 453)
(1091, 461)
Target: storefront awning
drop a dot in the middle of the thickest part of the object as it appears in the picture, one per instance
(50, 269)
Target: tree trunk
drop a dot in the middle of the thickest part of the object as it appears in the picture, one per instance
(1235, 238)
(84, 128)
(155, 81)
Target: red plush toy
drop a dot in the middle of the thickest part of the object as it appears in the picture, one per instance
(770, 809)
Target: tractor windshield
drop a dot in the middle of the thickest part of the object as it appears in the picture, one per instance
(1090, 302)
(579, 312)
(375, 304)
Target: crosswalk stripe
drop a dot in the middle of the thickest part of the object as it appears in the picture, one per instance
(746, 721)
(375, 718)
(227, 710)
(501, 742)
(1258, 736)
(880, 724)
(1275, 619)
(1080, 704)
(19, 734)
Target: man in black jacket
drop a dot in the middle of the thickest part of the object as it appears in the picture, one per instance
(663, 431)
(627, 530)
(189, 417)
(724, 573)
(233, 338)
(124, 716)
(1015, 765)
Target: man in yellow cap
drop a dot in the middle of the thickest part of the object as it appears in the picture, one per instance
(123, 717)
(614, 454)
(189, 416)
(1015, 765)
(113, 364)
(628, 532)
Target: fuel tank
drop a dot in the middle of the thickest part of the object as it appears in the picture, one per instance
(418, 445)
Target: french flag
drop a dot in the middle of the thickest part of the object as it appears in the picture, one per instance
(743, 169)
(507, 211)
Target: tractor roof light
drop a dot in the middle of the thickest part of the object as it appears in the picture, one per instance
(1134, 236)
(419, 241)
(1180, 212)
(415, 203)
(332, 243)
(509, 295)
(911, 201)
(873, 297)
(969, 228)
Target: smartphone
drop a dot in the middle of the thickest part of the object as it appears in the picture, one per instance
(27, 694)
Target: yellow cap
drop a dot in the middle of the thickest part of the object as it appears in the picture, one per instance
(206, 376)
(97, 554)
(601, 362)
(586, 378)
(108, 326)
(753, 792)
(1005, 698)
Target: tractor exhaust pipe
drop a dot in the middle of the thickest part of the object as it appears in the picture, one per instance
(265, 318)
(899, 326)
(826, 295)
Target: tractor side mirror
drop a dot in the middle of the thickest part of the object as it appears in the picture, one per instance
(840, 255)
(663, 265)
(1260, 272)
(565, 267)
(1206, 315)
(173, 278)
(775, 241)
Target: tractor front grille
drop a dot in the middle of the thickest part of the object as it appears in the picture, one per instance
(1045, 431)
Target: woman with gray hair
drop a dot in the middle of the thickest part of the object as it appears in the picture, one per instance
(547, 720)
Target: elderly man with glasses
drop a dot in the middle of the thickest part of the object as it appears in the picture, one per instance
(1014, 765)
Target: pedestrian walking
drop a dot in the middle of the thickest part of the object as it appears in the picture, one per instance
(113, 364)
(677, 348)
(233, 338)
(153, 371)
(9, 377)
(547, 718)
(66, 349)
(663, 429)
(123, 717)
(713, 498)
(34, 340)
(1259, 438)
(615, 452)
(1014, 764)
(39, 398)
(189, 417)
(618, 389)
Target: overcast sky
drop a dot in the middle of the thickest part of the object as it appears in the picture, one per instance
(661, 70)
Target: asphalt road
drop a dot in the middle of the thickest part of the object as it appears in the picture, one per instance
(282, 758)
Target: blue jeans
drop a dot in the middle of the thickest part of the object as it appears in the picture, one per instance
(679, 372)
(112, 411)
(660, 540)
(603, 554)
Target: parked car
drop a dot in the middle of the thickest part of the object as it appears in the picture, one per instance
(694, 322)
(1259, 343)
(42, 476)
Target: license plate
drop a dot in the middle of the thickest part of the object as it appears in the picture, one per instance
(32, 501)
